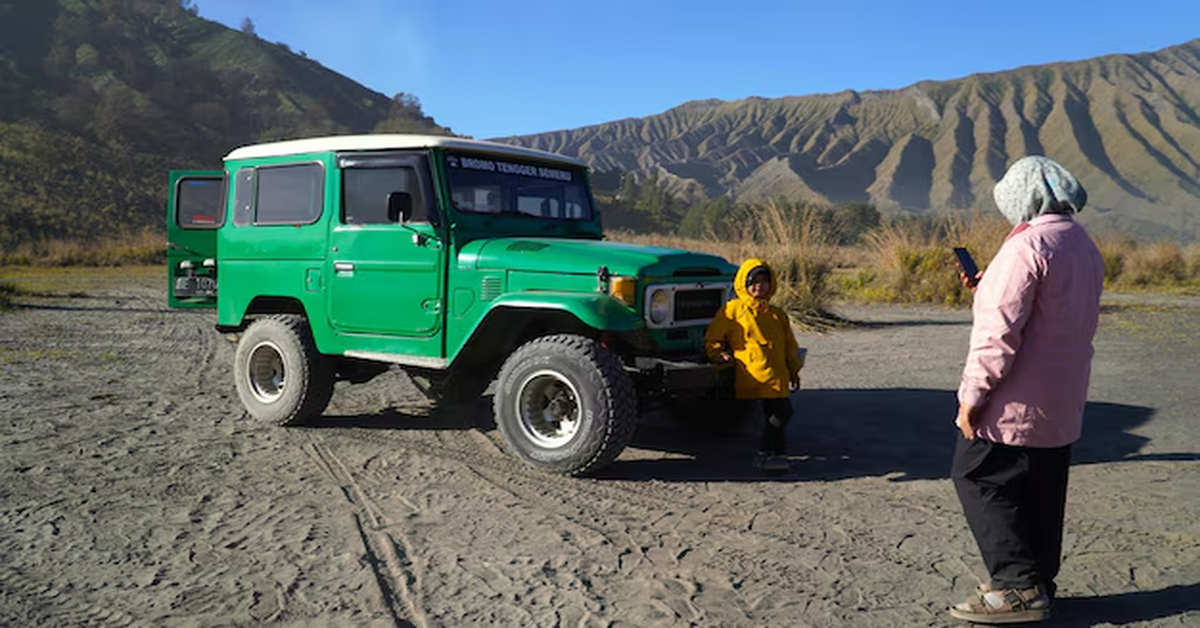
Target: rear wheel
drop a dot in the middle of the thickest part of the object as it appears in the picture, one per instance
(281, 378)
(564, 404)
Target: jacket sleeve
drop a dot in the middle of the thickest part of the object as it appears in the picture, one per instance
(1003, 303)
(790, 348)
(716, 337)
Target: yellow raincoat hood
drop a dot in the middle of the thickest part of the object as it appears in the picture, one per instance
(743, 273)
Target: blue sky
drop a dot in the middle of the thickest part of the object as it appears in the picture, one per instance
(490, 68)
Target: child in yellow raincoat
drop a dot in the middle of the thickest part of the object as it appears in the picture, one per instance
(757, 337)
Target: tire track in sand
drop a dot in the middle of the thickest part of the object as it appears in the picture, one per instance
(388, 549)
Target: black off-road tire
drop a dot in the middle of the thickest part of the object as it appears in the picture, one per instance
(565, 375)
(280, 377)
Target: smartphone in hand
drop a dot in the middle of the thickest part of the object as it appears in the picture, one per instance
(967, 265)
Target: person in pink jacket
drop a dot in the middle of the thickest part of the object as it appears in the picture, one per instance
(1024, 388)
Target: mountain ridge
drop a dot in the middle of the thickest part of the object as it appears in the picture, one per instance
(1122, 122)
(100, 98)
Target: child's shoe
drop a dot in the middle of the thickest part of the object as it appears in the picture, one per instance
(776, 464)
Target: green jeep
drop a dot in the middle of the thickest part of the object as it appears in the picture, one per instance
(461, 262)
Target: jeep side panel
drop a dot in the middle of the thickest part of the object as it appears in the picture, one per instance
(273, 246)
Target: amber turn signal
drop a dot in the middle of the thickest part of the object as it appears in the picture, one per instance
(623, 289)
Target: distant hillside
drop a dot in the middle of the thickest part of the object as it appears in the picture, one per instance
(99, 98)
(1127, 125)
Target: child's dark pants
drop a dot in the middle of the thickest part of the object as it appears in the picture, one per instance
(776, 414)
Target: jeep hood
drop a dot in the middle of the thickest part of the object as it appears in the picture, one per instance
(562, 255)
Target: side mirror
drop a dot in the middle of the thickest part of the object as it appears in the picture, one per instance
(399, 206)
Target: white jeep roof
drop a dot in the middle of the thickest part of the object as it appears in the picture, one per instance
(381, 141)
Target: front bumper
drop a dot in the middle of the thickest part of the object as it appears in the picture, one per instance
(671, 378)
(659, 377)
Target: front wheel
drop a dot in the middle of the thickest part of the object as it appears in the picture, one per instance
(281, 378)
(565, 404)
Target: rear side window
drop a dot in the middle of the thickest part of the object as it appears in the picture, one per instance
(243, 197)
(366, 192)
(200, 203)
(289, 195)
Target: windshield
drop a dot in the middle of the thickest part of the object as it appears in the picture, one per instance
(486, 185)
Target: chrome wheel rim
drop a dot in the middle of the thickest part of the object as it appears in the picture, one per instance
(265, 372)
(548, 408)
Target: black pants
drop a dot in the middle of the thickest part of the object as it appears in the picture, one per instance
(1014, 500)
(776, 413)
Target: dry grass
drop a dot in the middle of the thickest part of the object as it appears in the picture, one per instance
(1160, 266)
(902, 261)
(796, 243)
(911, 261)
(143, 247)
(73, 281)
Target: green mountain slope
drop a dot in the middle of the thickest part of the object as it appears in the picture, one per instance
(99, 98)
(1127, 125)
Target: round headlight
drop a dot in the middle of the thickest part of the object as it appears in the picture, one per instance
(660, 306)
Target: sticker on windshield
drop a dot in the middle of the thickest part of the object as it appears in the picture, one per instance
(508, 167)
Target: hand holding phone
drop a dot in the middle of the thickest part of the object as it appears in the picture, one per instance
(967, 266)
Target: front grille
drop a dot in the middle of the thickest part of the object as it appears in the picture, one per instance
(693, 305)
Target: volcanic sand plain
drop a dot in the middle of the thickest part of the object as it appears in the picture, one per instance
(134, 490)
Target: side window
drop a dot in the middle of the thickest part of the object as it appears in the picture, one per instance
(243, 196)
(200, 203)
(365, 193)
(289, 195)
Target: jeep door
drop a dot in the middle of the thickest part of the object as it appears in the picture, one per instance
(385, 274)
(195, 211)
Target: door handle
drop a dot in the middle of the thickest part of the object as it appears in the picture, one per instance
(343, 267)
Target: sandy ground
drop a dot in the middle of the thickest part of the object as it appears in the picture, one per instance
(135, 491)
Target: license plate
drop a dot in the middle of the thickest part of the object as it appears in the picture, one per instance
(195, 287)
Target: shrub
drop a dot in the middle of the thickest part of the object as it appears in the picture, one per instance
(1113, 252)
(1159, 264)
(795, 241)
(1193, 261)
(910, 260)
(7, 292)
